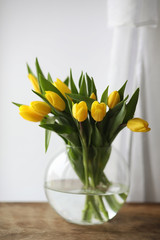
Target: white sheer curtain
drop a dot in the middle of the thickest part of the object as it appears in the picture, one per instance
(135, 56)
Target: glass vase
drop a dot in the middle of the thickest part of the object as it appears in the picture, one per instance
(94, 199)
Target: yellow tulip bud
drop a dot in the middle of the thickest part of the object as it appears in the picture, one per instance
(93, 96)
(113, 99)
(62, 87)
(35, 112)
(34, 82)
(98, 111)
(138, 125)
(80, 111)
(41, 108)
(55, 100)
(29, 114)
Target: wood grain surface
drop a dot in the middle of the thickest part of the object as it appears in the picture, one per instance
(37, 221)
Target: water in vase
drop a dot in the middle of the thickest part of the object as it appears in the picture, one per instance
(81, 206)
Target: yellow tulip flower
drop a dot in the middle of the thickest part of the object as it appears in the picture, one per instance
(55, 100)
(62, 87)
(93, 96)
(34, 82)
(113, 99)
(41, 108)
(35, 112)
(80, 111)
(138, 125)
(98, 111)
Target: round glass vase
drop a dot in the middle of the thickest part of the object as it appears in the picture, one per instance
(87, 204)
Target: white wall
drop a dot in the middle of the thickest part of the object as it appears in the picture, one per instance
(63, 35)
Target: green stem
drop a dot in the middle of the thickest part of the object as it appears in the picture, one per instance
(102, 207)
(105, 180)
(94, 205)
(96, 208)
(123, 196)
(113, 203)
(87, 212)
(91, 175)
(85, 164)
(85, 155)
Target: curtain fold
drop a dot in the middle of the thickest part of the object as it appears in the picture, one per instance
(135, 56)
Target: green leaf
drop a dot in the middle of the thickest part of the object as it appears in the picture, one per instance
(30, 71)
(115, 122)
(47, 138)
(17, 104)
(69, 104)
(59, 129)
(121, 91)
(61, 119)
(83, 88)
(89, 132)
(72, 138)
(110, 114)
(39, 73)
(66, 81)
(47, 86)
(100, 157)
(131, 106)
(50, 78)
(86, 131)
(80, 80)
(79, 98)
(93, 87)
(117, 131)
(76, 160)
(104, 97)
(97, 139)
(38, 69)
(89, 83)
(65, 120)
(73, 121)
(64, 130)
(117, 107)
(72, 84)
(48, 119)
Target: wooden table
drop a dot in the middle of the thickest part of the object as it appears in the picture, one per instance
(36, 221)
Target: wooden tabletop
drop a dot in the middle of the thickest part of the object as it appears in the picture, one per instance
(37, 221)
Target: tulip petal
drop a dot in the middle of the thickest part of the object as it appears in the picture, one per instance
(28, 114)
(98, 111)
(93, 96)
(55, 100)
(34, 82)
(74, 110)
(138, 125)
(80, 111)
(40, 107)
(113, 99)
(62, 87)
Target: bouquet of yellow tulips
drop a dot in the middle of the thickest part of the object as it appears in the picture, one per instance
(81, 120)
